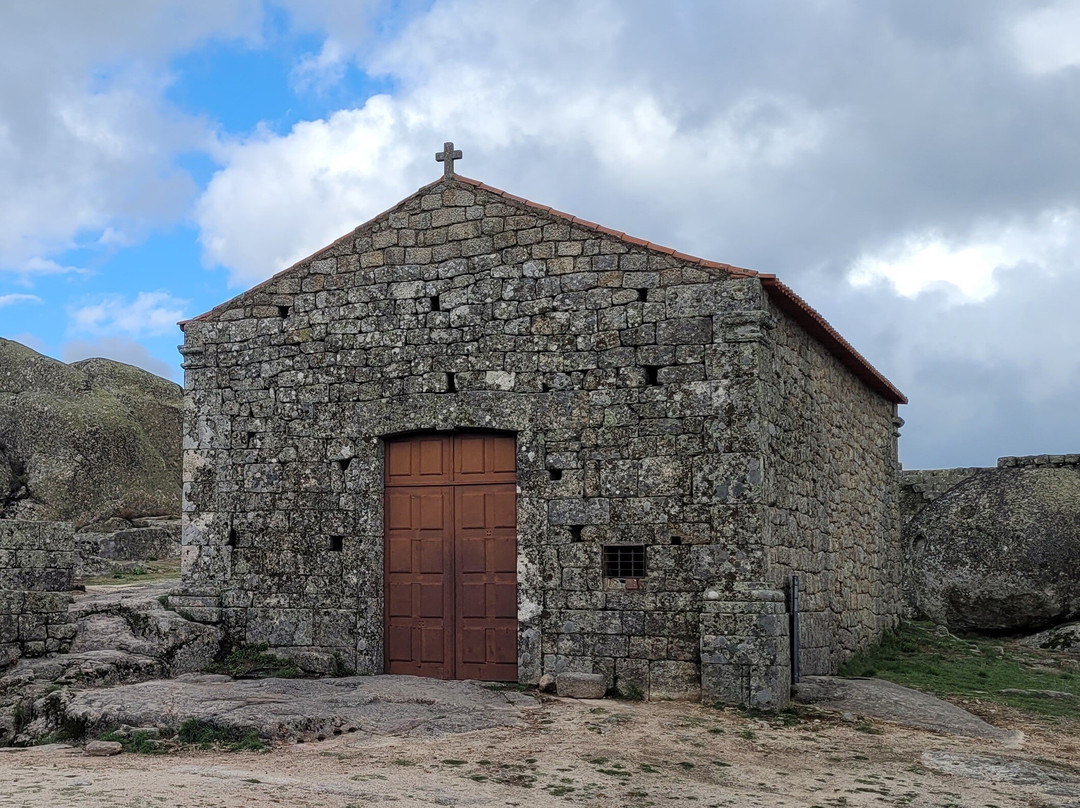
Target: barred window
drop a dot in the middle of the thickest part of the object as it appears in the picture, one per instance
(624, 561)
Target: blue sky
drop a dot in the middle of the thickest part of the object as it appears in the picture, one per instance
(908, 167)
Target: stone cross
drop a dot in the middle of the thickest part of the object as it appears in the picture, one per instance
(447, 157)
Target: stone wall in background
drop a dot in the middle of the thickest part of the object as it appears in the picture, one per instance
(122, 544)
(36, 563)
(994, 549)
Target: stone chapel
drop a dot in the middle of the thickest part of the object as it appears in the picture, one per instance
(479, 438)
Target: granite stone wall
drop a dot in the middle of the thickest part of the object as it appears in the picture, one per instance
(630, 377)
(830, 496)
(36, 562)
(746, 647)
(919, 487)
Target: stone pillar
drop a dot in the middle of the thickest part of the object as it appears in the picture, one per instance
(37, 560)
(745, 647)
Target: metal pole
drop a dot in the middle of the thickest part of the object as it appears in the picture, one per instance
(795, 629)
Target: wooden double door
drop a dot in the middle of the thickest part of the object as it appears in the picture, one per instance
(451, 556)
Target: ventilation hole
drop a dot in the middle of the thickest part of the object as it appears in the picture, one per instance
(555, 474)
(642, 294)
(624, 561)
(232, 537)
(650, 374)
(344, 463)
(451, 383)
(920, 543)
(251, 437)
(434, 302)
(544, 387)
(337, 543)
(676, 540)
(283, 311)
(575, 532)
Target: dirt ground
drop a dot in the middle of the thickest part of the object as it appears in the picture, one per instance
(609, 753)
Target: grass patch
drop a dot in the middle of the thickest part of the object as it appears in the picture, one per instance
(559, 789)
(140, 742)
(515, 687)
(628, 691)
(969, 668)
(254, 662)
(193, 733)
(204, 735)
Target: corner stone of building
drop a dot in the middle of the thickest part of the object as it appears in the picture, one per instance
(745, 647)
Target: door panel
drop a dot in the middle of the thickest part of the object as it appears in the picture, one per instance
(419, 581)
(451, 556)
(419, 460)
(484, 459)
(485, 544)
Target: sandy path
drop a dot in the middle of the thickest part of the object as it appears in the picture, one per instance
(599, 754)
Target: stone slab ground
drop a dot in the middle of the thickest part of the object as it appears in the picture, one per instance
(887, 701)
(566, 752)
(306, 709)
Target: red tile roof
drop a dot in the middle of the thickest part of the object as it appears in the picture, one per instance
(818, 327)
(782, 295)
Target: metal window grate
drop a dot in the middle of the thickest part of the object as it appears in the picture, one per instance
(624, 561)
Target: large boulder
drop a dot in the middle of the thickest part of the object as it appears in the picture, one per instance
(1000, 551)
(86, 441)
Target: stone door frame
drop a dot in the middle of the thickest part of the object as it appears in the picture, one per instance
(508, 417)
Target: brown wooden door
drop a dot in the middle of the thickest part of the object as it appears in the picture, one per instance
(451, 556)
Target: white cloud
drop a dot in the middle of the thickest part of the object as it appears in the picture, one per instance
(921, 261)
(119, 349)
(37, 266)
(1046, 38)
(11, 300)
(282, 197)
(464, 75)
(150, 314)
(86, 137)
(316, 72)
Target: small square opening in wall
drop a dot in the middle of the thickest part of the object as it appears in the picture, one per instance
(624, 561)
(337, 543)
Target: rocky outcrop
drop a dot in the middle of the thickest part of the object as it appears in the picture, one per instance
(86, 441)
(1065, 639)
(296, 709)
(1000, 550)
(895, 703)
(122, 635)
(134, 621)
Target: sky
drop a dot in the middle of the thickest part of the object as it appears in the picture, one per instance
(910, 167)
